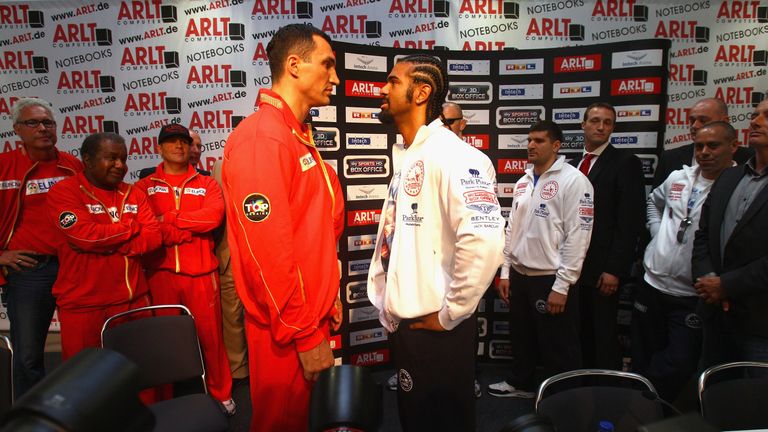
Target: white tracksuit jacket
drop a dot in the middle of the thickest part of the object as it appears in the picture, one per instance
(448, 235)
(550, 225)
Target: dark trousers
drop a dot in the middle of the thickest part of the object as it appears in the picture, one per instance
(726, 342)
(436, 377)
(666, 339)
(30, 310)
(599, 329)
(538, 337)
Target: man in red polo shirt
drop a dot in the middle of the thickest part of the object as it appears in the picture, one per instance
(28, 264)
(189, 206)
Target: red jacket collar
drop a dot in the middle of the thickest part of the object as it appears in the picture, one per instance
(301, 130)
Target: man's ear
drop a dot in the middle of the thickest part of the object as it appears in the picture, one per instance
(292, 65)
(422, 94)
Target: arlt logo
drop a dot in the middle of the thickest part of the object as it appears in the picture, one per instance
(273, 9)
(478, 141)
(489, 9)
(215, 75)
(512, 166)
(554, 29)
(370, 358)
(23, 62)
(636, 86)
(19, 15)
(148, 57)
(82, 34)
(687, 74)
(735, 95)
(363, 88)
(351, 26)
(738, 54)
(137, 104)
(363, 217)
(86, 125)
(207, 29)
(85, 81)
(145, 11)
(741, 11)
(585, 63)
(419, 9)
(619, 10)
(214, 120)
(685, 30)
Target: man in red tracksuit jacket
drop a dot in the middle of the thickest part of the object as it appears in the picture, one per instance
(28, 264)
(280, 226)
(103, 225)
(189, 206)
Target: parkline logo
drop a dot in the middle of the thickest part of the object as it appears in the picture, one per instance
(19, 16)
(636, 86)
(84, 81)
(351, 26)
(215, 75)
(741, 12)
(363, 217)
(80, 35)
(19, 62)
(619, 10)
(212, 29)
(367, 89)
(682, 30)
(141, 104)
(554, 29)
(419, 9)
(281, 10)
(148, 57)
(145, 12)
(583, 63)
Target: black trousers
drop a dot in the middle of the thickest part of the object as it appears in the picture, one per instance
(599, 329)
(436, 373)
(537, 337)
(666, 339)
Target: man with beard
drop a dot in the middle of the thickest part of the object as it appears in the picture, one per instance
(438, 246)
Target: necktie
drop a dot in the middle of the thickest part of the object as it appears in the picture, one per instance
(584, 167)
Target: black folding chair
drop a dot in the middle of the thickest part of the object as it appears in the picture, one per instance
(167, 351)
(579, 400)
(345, 398)
(735, 402)
(6, 374)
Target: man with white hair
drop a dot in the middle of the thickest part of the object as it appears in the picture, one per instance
(28, 262)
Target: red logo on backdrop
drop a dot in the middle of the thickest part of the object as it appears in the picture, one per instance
(636, 86)
(274, 7)
(16, 60)
(512, 166)
(485, 7)
(145, 102)
(13, 14)
(81, 33)
(735, 95)
(677, 29)
(585, 63)
(370, 358)
(209, 74)
(335, 342)
(140, 10)
(143, 56)
(410, 6)
(735, 53)
(82, 125)
(6, 104)
(548, 27)
(200, 27)
(219, 119)
(738, 10)
(261, 53)
(613, 8)
(143, 146)
(479, 141)
(363, 217)
(84, 81)
(363, 88)
(344, 24)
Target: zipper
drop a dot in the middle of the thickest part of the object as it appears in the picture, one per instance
(301, 285)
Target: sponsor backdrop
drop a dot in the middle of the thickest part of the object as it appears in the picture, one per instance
(133, 66)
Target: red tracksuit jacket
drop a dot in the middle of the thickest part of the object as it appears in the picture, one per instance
(280, 226)
(99, 246)
(189, 217)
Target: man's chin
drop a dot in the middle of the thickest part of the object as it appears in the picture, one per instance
(386, 117)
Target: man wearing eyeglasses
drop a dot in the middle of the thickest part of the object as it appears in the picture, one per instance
(453, 118)
(28, 264)
(666, 332)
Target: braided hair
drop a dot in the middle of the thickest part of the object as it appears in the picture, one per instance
(428, 70)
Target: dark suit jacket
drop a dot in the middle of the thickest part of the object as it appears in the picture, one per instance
(673, 160)
(144, 172)
(618, 179)
(743, 268)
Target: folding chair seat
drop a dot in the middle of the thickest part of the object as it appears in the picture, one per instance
(731, 399)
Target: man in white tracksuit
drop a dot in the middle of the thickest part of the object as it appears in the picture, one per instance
(666, 332)
(438, 246)
(550, 224)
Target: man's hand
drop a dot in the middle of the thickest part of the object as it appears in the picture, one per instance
(315, 360)
(18, 259)
(607, 284)
(556, 303)
(427, 322)
(503, 290)
(710, 289)
(338, 315)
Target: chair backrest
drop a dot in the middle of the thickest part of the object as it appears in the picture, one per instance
(6, 374)
(344, 397)
(165, 347)
(581, 407)
(735, 402)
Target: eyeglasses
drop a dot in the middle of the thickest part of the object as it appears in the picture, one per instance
(449, 121)
(684, 224)
(33, 124)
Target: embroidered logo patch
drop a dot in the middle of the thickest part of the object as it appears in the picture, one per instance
(541, 306)
(549, 190)
(307, 161)
(67, 219)
(693, 321)
(414, 180)
(256, 207)
(406, 382)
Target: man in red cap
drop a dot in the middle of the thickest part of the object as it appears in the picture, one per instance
(189, 206)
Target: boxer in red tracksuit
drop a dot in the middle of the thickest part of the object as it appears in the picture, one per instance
(102, 226)
(185, 271)
(280, 225)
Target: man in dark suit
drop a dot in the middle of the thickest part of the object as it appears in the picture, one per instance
(702, 112)
(617, 178)
(730, 257)
(195, 150)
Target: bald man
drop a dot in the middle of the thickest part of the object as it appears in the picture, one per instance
(453, 118)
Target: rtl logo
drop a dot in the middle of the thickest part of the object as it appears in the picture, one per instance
(214, 76)
(550, 28)
(591, 62)
(214, 27)
(20, 15)
(288, 8)
(149, 56)
(352, 26)
(687, 74)
(606, 10)
(219, 119)
(80, 34)
(512, 166)
(148, 103)
(478, 141)
(23, 61)
(736, 95)
(146, 10)
(85, 81)
(636, 86)
(742, 10)
(473, 8)
(86, 125)
(676, 29)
